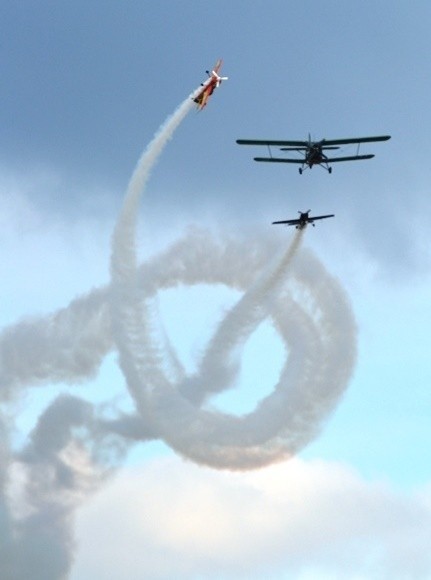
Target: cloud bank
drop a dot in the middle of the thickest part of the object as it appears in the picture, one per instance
(292, 520)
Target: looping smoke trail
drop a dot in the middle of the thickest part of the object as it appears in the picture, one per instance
(283, 421)
(74, 447)
(314, 320)
(309, 310)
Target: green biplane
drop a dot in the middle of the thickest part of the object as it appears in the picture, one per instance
(313, 152)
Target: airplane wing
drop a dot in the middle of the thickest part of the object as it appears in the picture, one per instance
(351, 158)
(217, 65)
(279, 160)
(306, 143)
(201, 99)
(355, 140)
(302, 161)
(270, 142)
(288, 222)
(320, 217)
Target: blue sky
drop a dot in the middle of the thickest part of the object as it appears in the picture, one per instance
(84, 88)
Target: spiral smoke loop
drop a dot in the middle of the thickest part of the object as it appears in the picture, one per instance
(321, 347)
(74, 446)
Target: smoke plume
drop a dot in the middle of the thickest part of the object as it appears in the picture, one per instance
(75, 444)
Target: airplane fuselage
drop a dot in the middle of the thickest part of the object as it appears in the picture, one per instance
(303, 220)
(314, 156)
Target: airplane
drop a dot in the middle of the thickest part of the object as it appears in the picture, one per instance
(209, 85)
(313, 151)
(304, 219)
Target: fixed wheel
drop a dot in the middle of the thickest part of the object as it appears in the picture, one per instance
(300, 171)
(330, 170)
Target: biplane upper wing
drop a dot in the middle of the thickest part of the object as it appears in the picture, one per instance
(272, 142)
(355, 140)
(306, 144)
(217, 65)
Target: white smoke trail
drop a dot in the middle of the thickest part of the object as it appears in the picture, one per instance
(314, 332)
(237, 326)
(174, 412)
(65, 346)
(70, 451)
(74, 446)
(197, 258)
(128, 320)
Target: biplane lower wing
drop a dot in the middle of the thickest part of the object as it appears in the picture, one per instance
(301, 161)
(351, 158)
(279, 160)
(201, 100)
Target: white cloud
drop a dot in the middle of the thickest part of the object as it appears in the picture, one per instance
(293, 520)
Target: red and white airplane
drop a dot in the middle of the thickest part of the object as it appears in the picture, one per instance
(213, 82)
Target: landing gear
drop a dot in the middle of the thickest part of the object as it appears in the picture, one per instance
(329, 169)
(300, 171)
